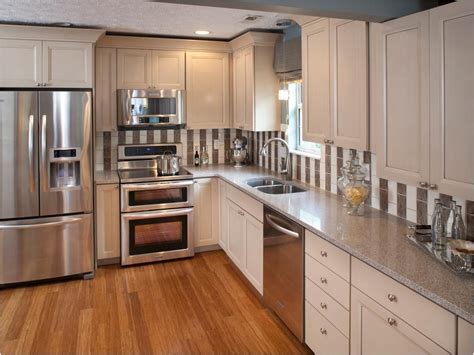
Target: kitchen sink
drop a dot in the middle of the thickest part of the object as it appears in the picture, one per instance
(274, 186)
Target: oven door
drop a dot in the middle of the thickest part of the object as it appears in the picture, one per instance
(157, 195)
(157, 235)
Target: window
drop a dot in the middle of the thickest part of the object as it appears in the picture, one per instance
(295, 122)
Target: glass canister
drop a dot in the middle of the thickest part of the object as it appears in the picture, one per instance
(357, 190)
(343, 181)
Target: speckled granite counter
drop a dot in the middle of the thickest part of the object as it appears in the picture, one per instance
(376, 238)
(106, 177)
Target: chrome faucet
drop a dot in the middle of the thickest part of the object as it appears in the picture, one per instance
(285, 166)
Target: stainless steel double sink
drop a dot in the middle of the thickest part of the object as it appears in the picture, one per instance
(274, 186)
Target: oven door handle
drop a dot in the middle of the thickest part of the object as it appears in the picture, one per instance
(157, 214)
(157, 185)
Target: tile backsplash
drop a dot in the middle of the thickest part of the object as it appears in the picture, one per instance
(409, 202)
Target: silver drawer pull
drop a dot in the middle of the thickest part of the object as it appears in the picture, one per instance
(323, 305)
(392, 298)
(391, 321)
(324, 254)
(323, 331)
(324, 280)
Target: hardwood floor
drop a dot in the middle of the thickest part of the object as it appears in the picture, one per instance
(197, 305)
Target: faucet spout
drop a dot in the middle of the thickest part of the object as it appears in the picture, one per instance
(285, 161)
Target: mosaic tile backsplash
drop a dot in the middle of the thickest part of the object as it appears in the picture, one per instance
(409, 202)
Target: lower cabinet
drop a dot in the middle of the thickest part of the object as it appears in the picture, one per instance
(465, 337)
(223, 236)
(375, 330)
(206, 212)
(107, 213)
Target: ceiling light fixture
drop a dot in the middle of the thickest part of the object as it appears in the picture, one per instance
(202, 32)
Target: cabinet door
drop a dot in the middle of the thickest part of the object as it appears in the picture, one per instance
(108, 221)
(134, 68)
(207, 90)
(105, 89)
(249, 123)
(465, 337)
(20, 63)
(235, 232)
(67, 64)
(206, 212)
(349, 83)
(223, 236)
(401, 100)
(239, 89)
(316, 101)
(374, 330)
(452, 85)
(168, 70)
(253, 265)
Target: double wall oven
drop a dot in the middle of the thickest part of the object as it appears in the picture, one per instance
(156, 211)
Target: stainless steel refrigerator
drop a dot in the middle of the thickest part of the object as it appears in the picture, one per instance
(46, 199)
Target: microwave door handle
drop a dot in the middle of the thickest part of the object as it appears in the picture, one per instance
(271, 221)
(44, 175)
(31, 152)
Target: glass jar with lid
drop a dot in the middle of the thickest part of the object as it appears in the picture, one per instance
(357, 190)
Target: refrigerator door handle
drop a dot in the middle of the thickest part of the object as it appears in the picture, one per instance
(59, 222)
(31, 150)
(44, 173)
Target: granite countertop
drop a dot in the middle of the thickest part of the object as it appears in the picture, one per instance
(377, 238)
(106, 177)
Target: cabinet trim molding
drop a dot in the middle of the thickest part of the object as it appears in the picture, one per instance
(50, 33)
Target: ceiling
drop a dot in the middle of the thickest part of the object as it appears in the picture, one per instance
(137, 16)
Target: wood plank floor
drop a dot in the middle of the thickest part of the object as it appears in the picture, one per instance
(197, 305)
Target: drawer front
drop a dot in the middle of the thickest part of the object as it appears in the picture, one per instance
(321, 336)
(328, 281)
(406, 304)
(327, 306)
(245, 202)
(328, 254)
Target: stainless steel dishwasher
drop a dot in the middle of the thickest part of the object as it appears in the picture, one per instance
(283, 273)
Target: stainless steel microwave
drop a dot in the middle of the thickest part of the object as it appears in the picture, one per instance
(153, 108)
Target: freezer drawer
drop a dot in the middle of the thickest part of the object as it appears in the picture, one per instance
(43, 248)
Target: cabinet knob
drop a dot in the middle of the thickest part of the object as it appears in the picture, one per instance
(324, 254)
(391, 321)
(433, 186)
(423, 184)
(45, 84)
(324, 280)
(323, 331)
(323, 305)
(38, 84)
(391, 297)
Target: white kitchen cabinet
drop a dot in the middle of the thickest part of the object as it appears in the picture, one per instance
(206, 212)
(168, 70)
(134, 69)
(253, 262)
(107, 221)
(451, 88)
(207, 90)
(20, 63)
(256, 105)
(223, 235)
(375, 330)
(236, 234)
(465, 337)
(105, 89)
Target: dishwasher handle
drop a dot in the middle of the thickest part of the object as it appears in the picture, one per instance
(271, 221)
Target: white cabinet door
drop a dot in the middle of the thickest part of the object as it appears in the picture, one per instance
(20, 63)
(236, 234)
(349, 83)
(401, 98)
(206, 213)
(452, 85)
(108, 221)
(105, 89)
(223, 235)
(316, 84)
(374, 330)
(134, 69)
(67, 64)
(168, 70)
(240, 97)
(207, 90)
(253, 262)
(465, 337)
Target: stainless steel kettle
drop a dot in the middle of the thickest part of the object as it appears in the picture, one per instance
(168, 163)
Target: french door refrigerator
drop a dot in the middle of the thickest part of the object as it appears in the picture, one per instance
(46, 199)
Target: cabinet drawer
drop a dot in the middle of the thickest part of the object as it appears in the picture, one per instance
(321, 336)
(327, 280)
(327, 306)
(406, 304)
(328, 254)
(245, 202)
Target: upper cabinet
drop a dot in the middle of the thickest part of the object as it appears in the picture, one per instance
(255, 84)
(105, 89)
(46, 57)
(423, 79)
(335, 82)
(150, 69)
(207, 90)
